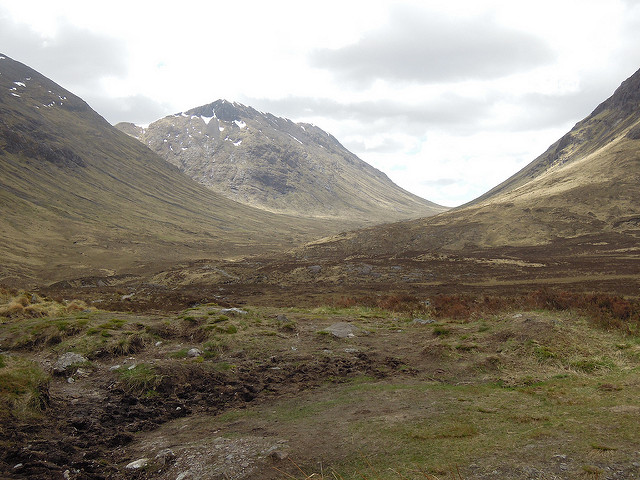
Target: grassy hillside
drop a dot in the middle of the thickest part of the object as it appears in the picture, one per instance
(79, 197)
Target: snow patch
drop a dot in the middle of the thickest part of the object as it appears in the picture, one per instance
(237, 144)
(206, 120)
(302, 127)
(15, 94)
(240, 123)
(221, 128)
(3, 58)
(295, 139)
(20, 84)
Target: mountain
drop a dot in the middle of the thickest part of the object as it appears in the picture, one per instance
(570, 219)
(274, 164)
(79, 197)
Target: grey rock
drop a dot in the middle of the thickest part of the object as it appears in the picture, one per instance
(165, 456)
(315, 268)
(365, 269)
(136, 464)
(194, 352)
(233, 311)
(343, 330)
(67, 360)
(282, 318)
(422, 321)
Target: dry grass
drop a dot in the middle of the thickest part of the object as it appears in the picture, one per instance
(20, 304)
(605, 310)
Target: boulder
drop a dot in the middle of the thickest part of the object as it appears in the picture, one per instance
(67, 360)
(343, 330)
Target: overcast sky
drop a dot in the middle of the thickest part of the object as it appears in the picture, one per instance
(448, 98)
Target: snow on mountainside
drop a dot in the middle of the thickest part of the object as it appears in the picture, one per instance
(275, 164)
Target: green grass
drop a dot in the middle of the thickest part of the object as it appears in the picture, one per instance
(23, 388)
(139, 379)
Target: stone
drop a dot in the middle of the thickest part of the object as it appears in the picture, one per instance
(194, 352)
(278, 455)
(282, 318)
(165, 456)
(233, 311)
(67, 360)
(315, 269)
(136, 464)
(343, 330)
(422, 321)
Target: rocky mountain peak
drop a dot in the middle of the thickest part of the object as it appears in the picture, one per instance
(220, 109)
(626, 98)
(272, 163)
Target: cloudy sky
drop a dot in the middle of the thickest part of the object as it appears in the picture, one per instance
(448, 98)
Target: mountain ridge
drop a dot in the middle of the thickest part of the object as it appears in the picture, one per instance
(608, 120)
(277, 165)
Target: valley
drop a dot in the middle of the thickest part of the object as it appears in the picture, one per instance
(231, 295)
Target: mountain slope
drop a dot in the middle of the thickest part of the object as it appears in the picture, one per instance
(614, 118)
(79, 197)
(277, 165)
(586, 184)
